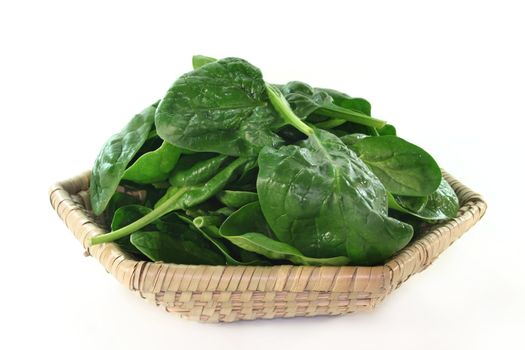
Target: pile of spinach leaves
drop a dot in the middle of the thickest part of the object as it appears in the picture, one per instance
(230, 169)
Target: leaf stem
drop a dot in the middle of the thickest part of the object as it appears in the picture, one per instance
(350, 115)
(162, 210)
(285, 111)
(330, 123)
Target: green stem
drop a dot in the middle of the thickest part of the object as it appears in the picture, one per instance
(349, 115)
(285, 111)
(162, 210)
(330, 123)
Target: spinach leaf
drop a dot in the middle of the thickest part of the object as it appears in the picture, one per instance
(114, 157)
(123, 216)
(165, 247)
(236, 199)
(199, 61)
(127, 214)
(177, 198)
(198, 172)
(319, 197)
(343, 100)
(388, 129)
(191, 194)
(154, 166)
(211, 233)
(402, 167)
(351, 139)
(248, 229)
(119, 199)
(442, 204)
(220, 107)
(305, 100)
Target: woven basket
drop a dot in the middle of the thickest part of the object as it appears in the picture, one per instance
(232, 293)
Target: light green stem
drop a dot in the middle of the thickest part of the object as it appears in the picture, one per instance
(162, 210)
(330, 123)
(285, 111)
(350, 115)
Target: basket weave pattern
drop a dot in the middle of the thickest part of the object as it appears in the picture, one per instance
(232, 293)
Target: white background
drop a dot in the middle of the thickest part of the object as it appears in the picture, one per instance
(449, 75)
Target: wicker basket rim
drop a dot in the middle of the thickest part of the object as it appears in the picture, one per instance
(143, 276)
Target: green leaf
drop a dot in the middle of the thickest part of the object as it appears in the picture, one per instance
(123, 216)
(198, 172)
(181, 198)
(119, 199)
(114, 157)
(343, 100)
(128, 214)
(248, 229)
(198, 193)
(388, 129)
(442, 204)
(236, 199)
(211, 233)
(199, 61)
(320, 198)
(165, 247)
(220, 107)
(351, 139)
(154, 166)
(305, 100)
(403, 168)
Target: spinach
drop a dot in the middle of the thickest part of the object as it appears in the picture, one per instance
(123, 216)
(220, 107)
(119, 199)
(199, 61)
(230, 169)
(198, 172)
(402, 167)
(236, 199)
(177, 198)
(322, 199)
(211, 233)
(165, 247)
(305, 100)
(442, 204)
(114, 157)
(247, 229)
(154, 166)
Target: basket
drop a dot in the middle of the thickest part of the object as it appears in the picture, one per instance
(232, 293)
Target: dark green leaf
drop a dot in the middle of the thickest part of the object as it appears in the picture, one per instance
(114, 157)
(221, 107)
(388, 129)
(123, 216)
(211, 233)
(165, 247)
(305, 101)
(248, 229)
(442, 204)
(322, 199)
(402, 167)
(119, 199)
(128, 214)
(199, 172)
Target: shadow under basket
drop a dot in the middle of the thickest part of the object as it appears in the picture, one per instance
(233, 293)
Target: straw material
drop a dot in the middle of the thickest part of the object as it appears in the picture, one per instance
(232, 293)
